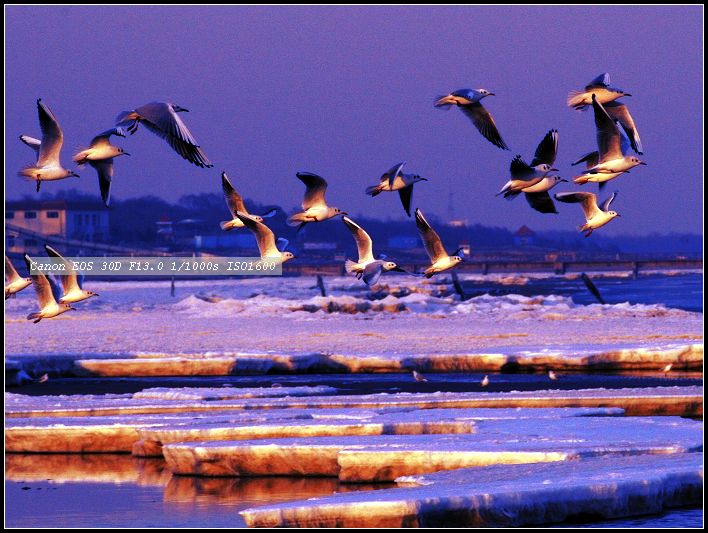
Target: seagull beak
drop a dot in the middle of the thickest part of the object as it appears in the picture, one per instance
(423, 179)
(491, 94)
(126, 153)
(554, 170)
(642, 163)
(563, 179)
(619, 215)
(398, 269)
(626, 94)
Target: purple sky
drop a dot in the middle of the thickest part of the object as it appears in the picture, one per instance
(346, 92)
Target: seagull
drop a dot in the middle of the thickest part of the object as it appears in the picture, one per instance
(468, 100)
(419, 377)
(48, 166)
(439, 258)
(608, 96)
(533, 180)
(667, 369)
(366, 268)
(235, 203)
(100, 156)
(69, 281)
(552, 375)
(485, 381)
(314, 205)
(610, 160)
(595, 216)
(265, 239)
(49, 308)
(14, 283)
(600, 87)
(396, 180)
(162, 119)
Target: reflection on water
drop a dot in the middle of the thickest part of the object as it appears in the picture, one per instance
(106, 490)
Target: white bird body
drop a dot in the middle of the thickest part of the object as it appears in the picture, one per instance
(314, 205)
(604, 95)
(70, 284)
(485, 381)
(611, 159)
(366, 267)
(235, 203)
(595, 216)
(439, 258)
(552, 375)
(15, 283)
(544, 185)
(48, 166)
(100, 156)
(419, 377)
(395, 180)
(265, 238)
(49, 308)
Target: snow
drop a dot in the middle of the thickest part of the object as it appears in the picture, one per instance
(507, 495)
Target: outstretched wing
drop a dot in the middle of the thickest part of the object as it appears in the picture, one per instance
(265, 238)
(608, 136)
(547, 150)
(431, 240)
(41, 286)
(104, 169)
(620, 112)
(603, 80)
(484, 122)
(104, 138)
(364, 245)
(69, 281)
(52, 136)
(541, 202)
(606, 204)
(590, 159)
(588, 201)
(233, 199)
(315, 190)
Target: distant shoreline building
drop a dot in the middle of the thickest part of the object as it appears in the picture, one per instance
(78, 220)
(524, 236)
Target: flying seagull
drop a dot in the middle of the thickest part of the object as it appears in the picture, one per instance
(162, 119)
(48, 149)
(69, 280)
(314, 204)
(552, 375)
(395, 180)
(265, 239)
(610, 160)
(439, 259)
(485, 381)
(235, 203)
(468, 100)
(366, 268)
(14, 283)
(533, 180)
(608, 96)
(49, 308)
(100, 156)
(595, 216)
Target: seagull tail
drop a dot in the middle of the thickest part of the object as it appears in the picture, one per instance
(126, 118)
(576, 100)
(227, 225)
(81, 158)
(29, 172)
(297, 219)
(373, 190)
(350, 266)
(33, 316)
(581, 180)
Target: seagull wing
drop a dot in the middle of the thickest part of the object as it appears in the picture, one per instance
(591, 159)
(69, 280)
(41, 286)
(519, 170)
(603, 80)
(233, 199)
(431, 240)
(52, 137)
(541, 202)
(364, 245)
(315, 191)
(392, 173)
(606, 204)
(104, 169)
(620, 112)
(587, 199)
(32, 143)
(547, 150)
(10, 272)
(406, 194)
(484, 122)
(104, 138)
(265, 238)
(372, 273)
(161, 119)
(608, 136)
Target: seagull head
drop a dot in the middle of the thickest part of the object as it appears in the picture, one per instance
(122, 152)
(613, 214)
(483, 93)
(287, 256)
(390, 265)
(179, 109)
(545, 169)
(90, 293)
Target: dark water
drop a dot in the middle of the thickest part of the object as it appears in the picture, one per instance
(680, 291)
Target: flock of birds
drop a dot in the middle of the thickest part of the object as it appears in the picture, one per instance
(616, 135)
